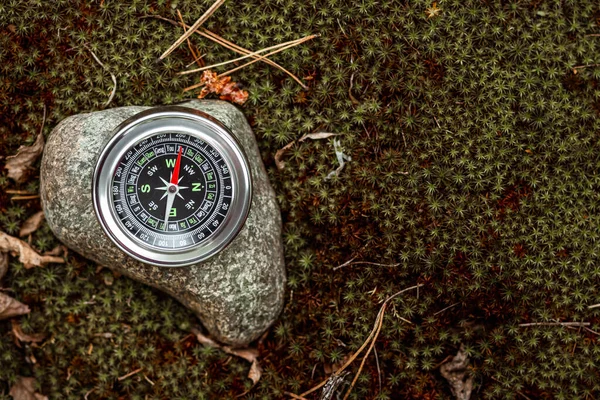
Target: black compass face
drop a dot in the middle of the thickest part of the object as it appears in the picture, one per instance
(172, 191)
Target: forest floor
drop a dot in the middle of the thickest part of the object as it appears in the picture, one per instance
(472, 128)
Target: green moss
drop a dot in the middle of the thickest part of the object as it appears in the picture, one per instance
(474, 171)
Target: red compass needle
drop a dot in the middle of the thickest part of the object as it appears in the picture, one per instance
(175, 176)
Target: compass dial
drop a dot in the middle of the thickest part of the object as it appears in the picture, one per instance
(168, 213)
(172, 187)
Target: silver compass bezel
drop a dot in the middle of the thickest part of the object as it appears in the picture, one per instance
(172, 119)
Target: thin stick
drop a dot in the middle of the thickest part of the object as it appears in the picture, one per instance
(364, 263)
(189, 43)
(234, 47)
(229, 45)
(121, 378)
(112, 76)
(300, 41)
(447, 308)
(256, 53)
(556, 324)
(362, 364)
(589, 307)
(294, 396)
(148, 380)
(344, 264)
(378, 368)
(373, 333)
(196, 60)
(351, 359)
(586, 66)
(193, 29)
(13, 191)
(36, 196)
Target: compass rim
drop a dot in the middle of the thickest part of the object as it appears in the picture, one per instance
(153, 122)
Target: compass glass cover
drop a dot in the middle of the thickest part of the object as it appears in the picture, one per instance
(171, 191)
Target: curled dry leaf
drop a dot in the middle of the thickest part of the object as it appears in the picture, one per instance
(317, 135)
(27, 255)
(24, 337)
(3, 264)
(223, 86)
(32, 224)
(58, 251)
(314, 136)
(24, 389)
(455, 372)
(248, 354)
(10, 307)
(20, 165)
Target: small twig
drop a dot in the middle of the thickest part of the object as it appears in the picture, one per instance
(586, 66)
(374, 333)
(344, 264)
(293, 43)
(148, 380)
(556, 324)
(280, 46)
(447, 308)
(36, 196)
(362, 364)
(378, 368)
(189, 43)
(591, 331)
(352, 262)
(13, 191)
(295, 396)
(88, 393)
(121, 378)
(589, 307)
(592, 35)
(228, 45)
(193, 28)
(234, 47)
(299, 41)
(196, 60)
(112, 76)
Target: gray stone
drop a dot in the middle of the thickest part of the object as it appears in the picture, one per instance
(238, 293)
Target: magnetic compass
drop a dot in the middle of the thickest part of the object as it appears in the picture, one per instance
(172, 187)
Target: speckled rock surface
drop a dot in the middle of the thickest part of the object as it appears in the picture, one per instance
(238, 293)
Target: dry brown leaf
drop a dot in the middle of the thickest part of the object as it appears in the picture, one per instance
(58, 251)
(10, 307)
(456, 373)
(248, 354)
(32, 224)
(317, 135)
(255, 372)
(314, 136)
(20, 165)
(27, 255)
(280, 164)
(3, 264)
(24, 389)
(24, 337)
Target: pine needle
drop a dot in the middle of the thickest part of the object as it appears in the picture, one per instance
(280, 47)
(300, 41)
(193, 29)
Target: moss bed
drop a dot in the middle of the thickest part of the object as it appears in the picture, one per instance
(475, 172)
